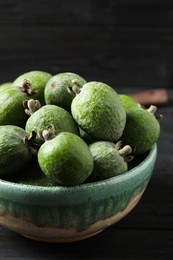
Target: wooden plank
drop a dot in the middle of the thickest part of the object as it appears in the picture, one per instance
(119, 57)
(110, 244)
(86, 12)
(127, 44)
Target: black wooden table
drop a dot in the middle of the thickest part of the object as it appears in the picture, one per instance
(120, 43)
(146, 233)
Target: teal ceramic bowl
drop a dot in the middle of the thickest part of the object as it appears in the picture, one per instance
(66, 214)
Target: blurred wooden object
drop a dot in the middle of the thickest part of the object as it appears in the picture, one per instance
(154, 97)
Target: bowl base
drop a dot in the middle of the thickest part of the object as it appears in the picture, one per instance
(63, 240)
(58, 235)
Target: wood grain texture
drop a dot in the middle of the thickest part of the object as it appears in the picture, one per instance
(129, 45)
(121, 43)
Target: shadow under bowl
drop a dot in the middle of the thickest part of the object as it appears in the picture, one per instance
(67, 214)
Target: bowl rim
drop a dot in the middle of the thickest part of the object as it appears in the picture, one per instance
(151, 155)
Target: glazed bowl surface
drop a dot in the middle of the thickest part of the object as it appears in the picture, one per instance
(66, 214)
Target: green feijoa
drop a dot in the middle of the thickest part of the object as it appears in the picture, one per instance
(52, 118)
(66, 159)
(5, 86)
(142, 129)
(99, 111)
(37, 80)
(11, 107)
(129, 102)
(110, 159)
(56, 89)
(14, 149)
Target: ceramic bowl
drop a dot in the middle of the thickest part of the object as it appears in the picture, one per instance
(66, 214)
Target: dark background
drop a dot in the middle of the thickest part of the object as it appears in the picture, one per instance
(120, 42)
(127, 44)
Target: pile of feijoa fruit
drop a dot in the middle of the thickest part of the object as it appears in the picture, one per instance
(63, 130)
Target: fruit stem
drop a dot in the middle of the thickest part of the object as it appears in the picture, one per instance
(31, 106)
(75, 89)
(152, 109)
(125, 151)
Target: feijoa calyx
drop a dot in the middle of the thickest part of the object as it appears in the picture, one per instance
(11, 105)
(66, 159)
(110, 159)
(142, 129)
(52, 118)
(14, 150)
(37, 80)
(98, 110)
(56, 89)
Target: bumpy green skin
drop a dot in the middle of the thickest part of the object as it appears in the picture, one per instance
(38, 80)
(129, 102)
(14, 152)
(98, 110)
(11, 107)
(107, 160)
(142, 130)
(4, 86)
(56, 89)
(66, 159)
(47, 115)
